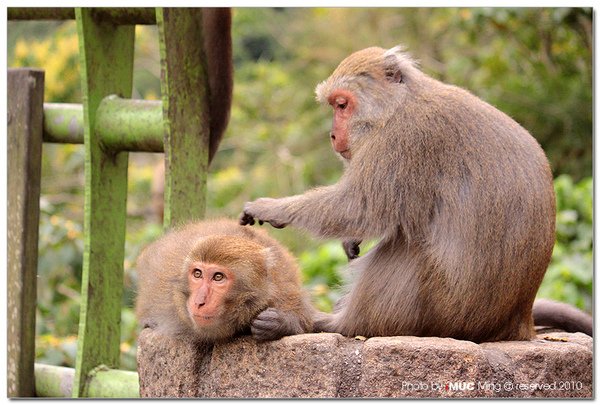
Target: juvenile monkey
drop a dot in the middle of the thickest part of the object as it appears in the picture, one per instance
(459, 194)
(212, 280)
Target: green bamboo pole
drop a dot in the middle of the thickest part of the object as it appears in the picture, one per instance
(53, 381)
(106, 60)
(102, 382)
(107, 383)
(63, 123)
(121, 124)
(131, 125)
(184, 88)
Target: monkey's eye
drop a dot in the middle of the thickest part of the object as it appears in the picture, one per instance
(218, 276)
(197, 273)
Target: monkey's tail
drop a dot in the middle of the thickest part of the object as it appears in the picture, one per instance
(562, 316)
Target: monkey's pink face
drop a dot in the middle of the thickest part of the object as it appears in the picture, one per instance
(209, 284)
(343, 103)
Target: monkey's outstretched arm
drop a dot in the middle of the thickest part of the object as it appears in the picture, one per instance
(280, 212)
(324, 211)
(356, 208)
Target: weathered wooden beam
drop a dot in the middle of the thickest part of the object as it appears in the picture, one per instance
(114, 15)
(41, 13)
(106, 60)
(25, 112)
(184, 88)
(126, 15)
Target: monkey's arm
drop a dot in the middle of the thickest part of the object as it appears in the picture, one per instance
(351, 246)
(331, 211)
(280, 212)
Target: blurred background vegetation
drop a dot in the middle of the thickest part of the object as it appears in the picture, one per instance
(533, 63)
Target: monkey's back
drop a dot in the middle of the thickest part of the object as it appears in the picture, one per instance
(492, 220)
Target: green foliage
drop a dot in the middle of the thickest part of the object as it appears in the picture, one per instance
(569, 276)
(60, 241)
(253, 40)
(321, 269)
(58, 56)
(552, 79)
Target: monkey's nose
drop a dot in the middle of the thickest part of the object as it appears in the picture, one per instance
(200, 301)
(332, 136)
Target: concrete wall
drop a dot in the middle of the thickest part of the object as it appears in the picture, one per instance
(328, 365)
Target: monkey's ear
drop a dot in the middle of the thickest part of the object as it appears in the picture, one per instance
(391, 69)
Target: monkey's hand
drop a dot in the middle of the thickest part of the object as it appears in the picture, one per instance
(263, 210)
(351, 248)
(272, 324)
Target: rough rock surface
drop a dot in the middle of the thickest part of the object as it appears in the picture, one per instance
(328, 365)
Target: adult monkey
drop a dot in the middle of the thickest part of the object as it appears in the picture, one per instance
(459, 193)
(216, 31)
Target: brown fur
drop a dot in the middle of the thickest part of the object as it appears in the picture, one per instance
(266, 294)
(460, 195)
(216, 27)
(563, 316)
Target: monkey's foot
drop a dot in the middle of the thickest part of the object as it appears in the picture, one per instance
(272, 324)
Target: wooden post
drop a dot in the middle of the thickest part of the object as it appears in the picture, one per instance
(106, 60)
(25, 113)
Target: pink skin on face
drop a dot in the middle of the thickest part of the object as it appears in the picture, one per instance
(343, 103)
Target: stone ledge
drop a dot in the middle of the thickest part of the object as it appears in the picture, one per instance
(328, 365)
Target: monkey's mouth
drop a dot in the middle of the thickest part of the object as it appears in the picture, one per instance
(346, 154)
(204, 319)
